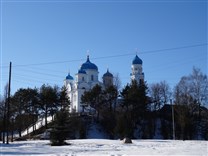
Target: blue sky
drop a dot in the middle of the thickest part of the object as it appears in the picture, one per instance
(46, 39)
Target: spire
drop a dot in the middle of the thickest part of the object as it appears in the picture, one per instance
(88, 58)
(107, 69)
(136, 51)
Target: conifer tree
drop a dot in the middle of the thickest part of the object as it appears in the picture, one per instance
(134, 103)
(60, 130)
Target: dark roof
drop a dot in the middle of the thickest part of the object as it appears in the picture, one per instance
(137, 60)
(88, 65)
(107, 74)
(69, 77)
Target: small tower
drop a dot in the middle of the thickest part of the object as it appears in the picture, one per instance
(69, 84)
(107, 79)
(69, 80)
(137, 73)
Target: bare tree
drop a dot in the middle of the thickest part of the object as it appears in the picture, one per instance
(160, 94)
(191, 94)
(165, 92)
(117, 81)
(199, 86)
(192, 88)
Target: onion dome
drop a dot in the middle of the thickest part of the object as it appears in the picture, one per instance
(137, 60)
(107, 74)
(81, 71)
(88, 65)
(69, 77)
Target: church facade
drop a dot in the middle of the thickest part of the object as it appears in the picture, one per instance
(87, 77)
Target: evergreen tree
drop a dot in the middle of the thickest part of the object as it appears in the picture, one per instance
(24, 108)
(60, 130)
(64, 99)
(104, 102)
(94, 98)
(108, 111)
(48, 103)
(134, 103)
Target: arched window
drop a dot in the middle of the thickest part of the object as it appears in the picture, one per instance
(92, 77)
(75, 97)
(82, 78)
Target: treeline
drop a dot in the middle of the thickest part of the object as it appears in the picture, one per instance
(135, 111)
(27, 106)
(154, 111)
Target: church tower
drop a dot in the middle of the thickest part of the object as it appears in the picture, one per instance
(137, 72)
(107, 79)
(85, 79)
(69, 84)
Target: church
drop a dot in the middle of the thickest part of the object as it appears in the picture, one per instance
(87, 77)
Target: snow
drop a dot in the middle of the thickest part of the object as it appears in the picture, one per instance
(106, 147)
(95, 132)
(39, 124)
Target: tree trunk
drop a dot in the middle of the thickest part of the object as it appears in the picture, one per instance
(46, 123)
(20, 133)
(98, 115)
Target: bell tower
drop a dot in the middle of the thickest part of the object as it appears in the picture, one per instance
(107, 79)
(137, 71)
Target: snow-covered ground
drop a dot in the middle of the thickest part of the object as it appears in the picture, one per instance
(106, 147)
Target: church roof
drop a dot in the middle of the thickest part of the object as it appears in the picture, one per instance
(107, 74)
(88, 65)
(69, 77)
(137, 60)
(81, 71)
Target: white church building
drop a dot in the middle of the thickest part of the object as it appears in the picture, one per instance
(87, 78)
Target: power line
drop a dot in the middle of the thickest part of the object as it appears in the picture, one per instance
(48, 70)
(113, 56)
(40, 73)
(176, 48)
(34, 79)
(104, 1)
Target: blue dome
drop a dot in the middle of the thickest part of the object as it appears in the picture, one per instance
(69, 77)
(107, 74)
(81, 71)
(137, 60)
(88, 65)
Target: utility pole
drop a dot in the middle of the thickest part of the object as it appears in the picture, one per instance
(173, 120)
(8, 102)
(4, 123)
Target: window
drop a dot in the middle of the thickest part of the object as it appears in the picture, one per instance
(75, 97)
(82, 78)
(92, 77)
